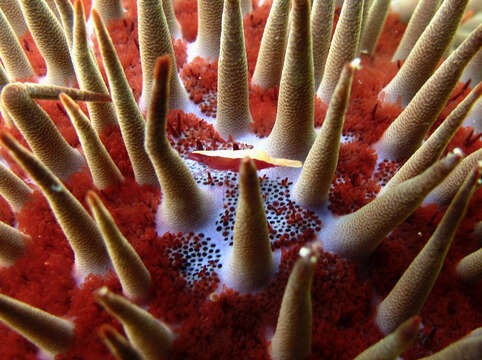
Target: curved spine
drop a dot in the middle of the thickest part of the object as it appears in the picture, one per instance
(12, 244)
(435, 145)
(233, 114)
(293, 133)
(129, 116)
(13, 189)
(343, 48)
(423, 13)
(50, 333)
(101, 166)
(269, 64)
(11, 52)
(251, 264)
(149, 335)
(427, 52)
(155, 41)
(322, 15)
(50, 39)
(410, 292)
(358, 234)
(406, 133)
(467, 348)
(469, 269)
(292, 338)
(101, 115)
(80, 230)
(311, 188)
(134, 277)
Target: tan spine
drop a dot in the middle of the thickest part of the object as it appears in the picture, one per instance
(311, 188)
(427, 52)
(134, 277)
(130, 119)
(80, 230)
(269, 64)
(50, 333)
(149, 335)
(209, 16)
(233, 115)
(444, 192)
(173, 24)
(376, 16)
(13, 12)
(322, 15)
(423, 13)
(292, 338)
(393, 345)
(66, 12)
(408, 296)
(40, 132)
(4, 80)
(469, 269)
(358, 234)
(467, 348)
(155, 41)
(406, 133)
(102, 168)
(109, 9)
(246, 6)
(251, 264)
(102, 115)
(473, 69)
(435, 145)
(13, 189)
(12, 244)
(11, 52)
(343, 48)
(50, 39)
(118, 345)
(293, 133)
(184, 205)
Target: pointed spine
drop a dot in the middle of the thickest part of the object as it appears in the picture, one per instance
(149, 335)
(311, 188)
(11, 52)
(269, 64)
(133, 274)
(80, 230)
(130, 119)
(66, 12)
(13, 12)
(358, 234)
(40, 132)
(444, 192)
(467, 348)
(183, 205)
(407, 131)
(13, 189)
(251, 264)
(469, 269)
(427, 52)
(155, 41)
(50, 39)
(109, 9)
(435, 145)
(173, 24)
(293, 133)
(322, 15)
(423, 13)
(209, 16)
(233, 114)
(50, 333)
(118, 345)
(292, 338)
(12, 244)
(376, 16)
(343, 48)
(103, 169)
(102, 115)
(393, 345)
(410, 292)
